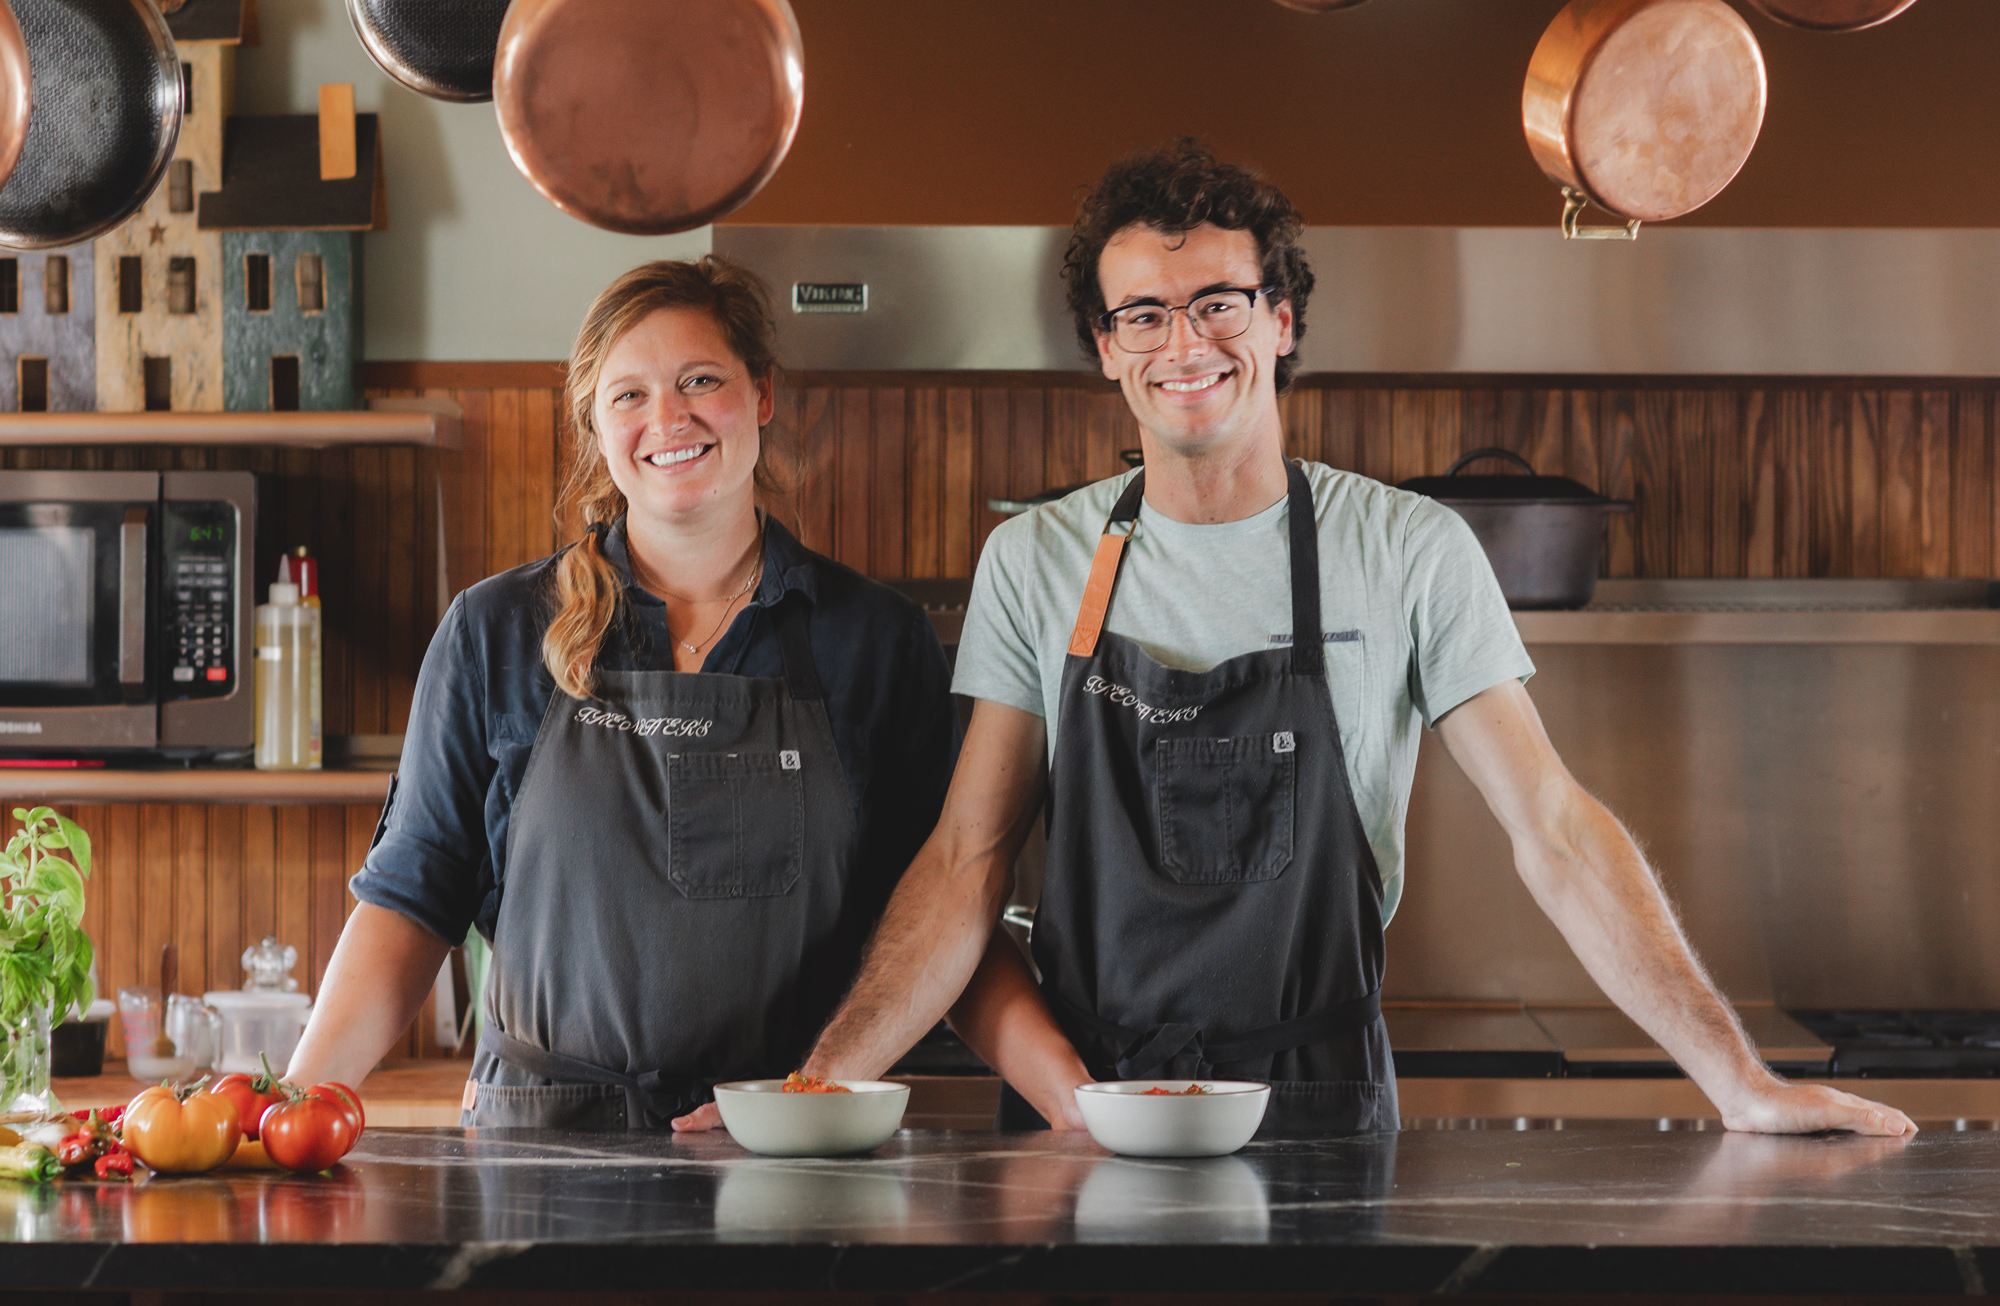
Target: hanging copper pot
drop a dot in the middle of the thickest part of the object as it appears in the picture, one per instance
(444, 51)
(1645, 108)
(644, 117)
(1832, 15)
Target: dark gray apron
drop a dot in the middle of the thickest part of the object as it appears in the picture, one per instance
(1210, 905)
(671, 915)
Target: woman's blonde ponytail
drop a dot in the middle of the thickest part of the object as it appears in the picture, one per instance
(587, 589)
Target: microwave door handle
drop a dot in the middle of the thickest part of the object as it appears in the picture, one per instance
(132, 597)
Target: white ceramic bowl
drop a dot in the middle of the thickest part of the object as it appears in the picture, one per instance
(759, 1115)
(1125, 1118)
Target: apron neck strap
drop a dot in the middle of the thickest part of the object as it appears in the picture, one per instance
(793, 617)
(1308, 648)
(1096, 603)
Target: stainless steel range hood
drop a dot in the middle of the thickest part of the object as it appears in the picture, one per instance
(1678, 301)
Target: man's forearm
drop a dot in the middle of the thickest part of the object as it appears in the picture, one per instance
(925, 949)
(1002, 1017)
(1590, 878)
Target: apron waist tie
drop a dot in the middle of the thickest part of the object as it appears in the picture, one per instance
(1176, 1051)
(665, 1098)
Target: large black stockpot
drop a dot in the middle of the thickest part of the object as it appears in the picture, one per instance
(1541, 533)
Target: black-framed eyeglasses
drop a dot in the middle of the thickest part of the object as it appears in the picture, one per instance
(1220, 314)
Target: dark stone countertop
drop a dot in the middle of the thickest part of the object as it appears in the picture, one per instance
(1487, 1211)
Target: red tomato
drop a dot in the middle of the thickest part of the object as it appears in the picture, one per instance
(308, 1133)
(349, 1097)
(251, 1095)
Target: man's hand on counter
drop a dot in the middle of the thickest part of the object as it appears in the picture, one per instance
(1588, 875)
(1779, 1107)
(704, 1117)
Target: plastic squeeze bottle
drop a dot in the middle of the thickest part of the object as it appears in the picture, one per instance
(305, 575)
(287, 734)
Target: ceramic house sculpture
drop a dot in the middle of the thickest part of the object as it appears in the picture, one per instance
(159, 276)
(237, 287)
(48, 340)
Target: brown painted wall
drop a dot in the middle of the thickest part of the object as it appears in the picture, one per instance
(1737, 479)
(1395, 112)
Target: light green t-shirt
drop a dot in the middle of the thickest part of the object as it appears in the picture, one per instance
(1413, 620)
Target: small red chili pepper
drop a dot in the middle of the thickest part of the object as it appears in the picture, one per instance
(75, 1149)
(116, 1165)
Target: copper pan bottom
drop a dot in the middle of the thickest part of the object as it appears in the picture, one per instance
(648, 118)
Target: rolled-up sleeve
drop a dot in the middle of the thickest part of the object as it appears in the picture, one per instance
(431, 859)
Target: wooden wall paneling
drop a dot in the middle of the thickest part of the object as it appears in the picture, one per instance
(1724, 416)
(226, 878)
(1067, 457)
(408, 581)
(1864, 483)
(1027, 440)
(330, 870)
(819, 430)
(505, 499)
(375, 569)
(890, 503)
(156, 888)
(1109, 430)
(855, 486)
(96, 890)
(1935, 438)
(466, 475)
(924, 542)
(1612, 419)
(992, 423)
(190, 898)
(1901, 489)
(1971, 482)
(964, 516)
(294, 888)
(538, 473)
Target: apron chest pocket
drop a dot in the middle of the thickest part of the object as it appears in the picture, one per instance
(735, 824)
(1225, 808)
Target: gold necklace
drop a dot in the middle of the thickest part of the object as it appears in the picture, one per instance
(754, 573)
(730, 602)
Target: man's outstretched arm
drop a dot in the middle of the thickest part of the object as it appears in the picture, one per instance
(1585, 871)
(938, 922)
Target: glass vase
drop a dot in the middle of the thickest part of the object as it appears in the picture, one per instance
(24, 1068)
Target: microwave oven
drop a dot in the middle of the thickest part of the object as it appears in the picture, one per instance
(125, 611)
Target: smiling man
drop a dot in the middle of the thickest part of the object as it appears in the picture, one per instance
(1216, 670)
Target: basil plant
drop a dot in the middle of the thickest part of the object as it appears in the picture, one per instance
(45, 956)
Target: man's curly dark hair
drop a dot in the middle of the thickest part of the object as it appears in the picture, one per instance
(1173, 190)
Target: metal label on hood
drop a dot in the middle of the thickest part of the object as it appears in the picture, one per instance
(829, 297)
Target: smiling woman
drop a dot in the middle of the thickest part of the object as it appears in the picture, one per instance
(672, 772)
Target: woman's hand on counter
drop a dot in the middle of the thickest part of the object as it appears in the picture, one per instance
(704, 1117)
(1781, 1107)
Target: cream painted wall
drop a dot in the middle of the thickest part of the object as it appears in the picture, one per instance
(475, 264)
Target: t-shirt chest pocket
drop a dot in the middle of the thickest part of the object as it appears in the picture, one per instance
(1225, 807)
(735, 823)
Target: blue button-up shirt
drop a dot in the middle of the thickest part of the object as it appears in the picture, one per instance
(440, 853)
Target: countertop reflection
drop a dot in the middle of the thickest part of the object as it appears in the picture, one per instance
(1499, 1209)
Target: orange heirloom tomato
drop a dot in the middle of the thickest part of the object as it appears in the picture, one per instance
(181, 1130)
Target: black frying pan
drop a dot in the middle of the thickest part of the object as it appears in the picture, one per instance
(106, 84)
(440, 48)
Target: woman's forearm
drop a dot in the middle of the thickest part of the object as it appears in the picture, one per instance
(379, 975)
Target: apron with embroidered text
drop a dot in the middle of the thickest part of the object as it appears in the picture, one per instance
(1210, 905)
(672, 914)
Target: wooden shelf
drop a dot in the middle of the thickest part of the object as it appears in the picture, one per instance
(333, 788)
(433, 424)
